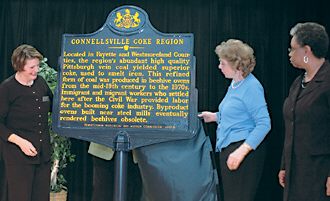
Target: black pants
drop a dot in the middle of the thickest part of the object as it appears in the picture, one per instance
(29, 182)
(242, 184)
(103, 180)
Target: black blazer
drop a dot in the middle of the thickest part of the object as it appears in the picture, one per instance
(307, 124)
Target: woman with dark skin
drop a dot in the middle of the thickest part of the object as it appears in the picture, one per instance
(25, 100)
(305, 168)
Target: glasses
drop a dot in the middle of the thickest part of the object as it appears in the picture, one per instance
(293, 49)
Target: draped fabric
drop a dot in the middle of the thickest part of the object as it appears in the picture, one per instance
(179, 170)
(264, 24)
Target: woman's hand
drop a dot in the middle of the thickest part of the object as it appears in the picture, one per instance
(281, 178)
(208, 116)
(25, 145)
(328, 186)
(236, 157)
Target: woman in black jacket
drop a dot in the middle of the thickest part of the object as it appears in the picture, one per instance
(305, 170)
(25, 100)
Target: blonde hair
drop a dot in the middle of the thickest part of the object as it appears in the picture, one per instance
(238, 54)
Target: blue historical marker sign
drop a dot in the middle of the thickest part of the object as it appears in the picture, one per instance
(127, 77)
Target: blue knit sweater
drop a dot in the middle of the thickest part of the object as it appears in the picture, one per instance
(243, 115)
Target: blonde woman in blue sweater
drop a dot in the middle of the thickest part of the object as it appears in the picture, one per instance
(243, 122)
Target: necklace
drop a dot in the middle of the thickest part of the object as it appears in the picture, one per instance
(313, 70)
(20, 80)
(29, 84)
(235, 85)
(303, 83)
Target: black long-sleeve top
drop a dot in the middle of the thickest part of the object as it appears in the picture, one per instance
(24, 112)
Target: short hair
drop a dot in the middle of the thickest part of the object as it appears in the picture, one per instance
(238, 54)
(313, 35)
(21, 54)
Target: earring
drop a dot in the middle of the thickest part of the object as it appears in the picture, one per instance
(305, 59)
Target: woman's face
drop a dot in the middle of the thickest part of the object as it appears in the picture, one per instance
(296, 54)
(30, 69)
(227, 69)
